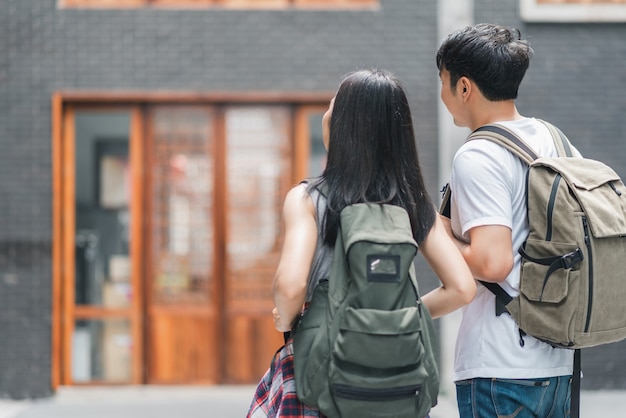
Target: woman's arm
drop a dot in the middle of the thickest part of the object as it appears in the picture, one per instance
(290, 281)
(458, 285)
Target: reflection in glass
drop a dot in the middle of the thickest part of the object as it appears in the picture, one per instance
(101, 351)
(317, 154)
(181, 204)
(102, 271)
(258, 156)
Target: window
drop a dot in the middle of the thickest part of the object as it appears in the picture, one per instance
(236, 4)
(573, 10)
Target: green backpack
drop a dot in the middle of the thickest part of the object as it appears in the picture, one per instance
(365, 347)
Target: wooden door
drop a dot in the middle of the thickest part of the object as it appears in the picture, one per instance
(183, 287)
(195, 203)
(98, 245)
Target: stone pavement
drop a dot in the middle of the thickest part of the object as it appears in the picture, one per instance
(215, 402)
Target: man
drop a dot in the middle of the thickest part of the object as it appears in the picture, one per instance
(499, 371)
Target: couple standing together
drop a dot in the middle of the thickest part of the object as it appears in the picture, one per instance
(372, 157)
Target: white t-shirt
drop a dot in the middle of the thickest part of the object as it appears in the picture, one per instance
(488, 183)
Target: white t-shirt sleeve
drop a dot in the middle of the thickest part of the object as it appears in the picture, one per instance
(482, 185)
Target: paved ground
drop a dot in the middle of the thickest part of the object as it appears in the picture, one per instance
(214, 402)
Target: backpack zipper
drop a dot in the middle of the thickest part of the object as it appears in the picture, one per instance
(590, 264)
(551, 203)
(376, 395)
(617, 192)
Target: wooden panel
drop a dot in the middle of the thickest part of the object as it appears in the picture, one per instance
(99, 97)
(252, 342)
(183, 348)
(240, 350)
(241, 4)
(183, 3)
(102, 3)
(268, 340)
(250, 4)
(68, 241)
(137, 242)
(335, 3)
(57, 238)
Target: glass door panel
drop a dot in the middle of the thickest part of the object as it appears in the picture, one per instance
(258, 158)
(182, 205)
(317, 152)
(101, 347)
(258, 147)
(102, 351)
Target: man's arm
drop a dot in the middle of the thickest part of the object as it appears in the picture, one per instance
(488, 254)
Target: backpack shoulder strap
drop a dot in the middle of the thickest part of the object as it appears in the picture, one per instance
(506, 138)
(509, 140)
(563, 146)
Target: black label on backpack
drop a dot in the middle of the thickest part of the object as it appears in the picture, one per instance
(383, 268)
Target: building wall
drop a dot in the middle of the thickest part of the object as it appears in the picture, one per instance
(44, 49)
(576, 80)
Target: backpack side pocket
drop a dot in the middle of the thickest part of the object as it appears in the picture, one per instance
(310, 347)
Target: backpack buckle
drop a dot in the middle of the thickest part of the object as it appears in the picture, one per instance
(569, 260)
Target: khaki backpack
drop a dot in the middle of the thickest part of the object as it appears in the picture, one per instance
(572, 288)
(365, 347)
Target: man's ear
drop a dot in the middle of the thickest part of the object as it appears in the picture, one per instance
(464, 87)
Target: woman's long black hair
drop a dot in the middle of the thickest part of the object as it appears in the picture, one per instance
(372, 155)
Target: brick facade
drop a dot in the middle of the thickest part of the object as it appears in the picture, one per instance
(574, 81)
(44, 49)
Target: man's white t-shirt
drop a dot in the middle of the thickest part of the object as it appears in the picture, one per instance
(488, 188)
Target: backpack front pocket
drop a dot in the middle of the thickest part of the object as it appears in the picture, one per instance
(548, 296)
(546, 268)
(378, 358)
(402, 401)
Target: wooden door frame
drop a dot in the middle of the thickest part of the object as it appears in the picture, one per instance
(64, 310)
(63, 103)
(301, 137)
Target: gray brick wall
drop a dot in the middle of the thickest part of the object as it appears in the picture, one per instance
(44, 49)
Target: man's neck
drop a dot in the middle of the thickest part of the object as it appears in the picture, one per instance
(492, 112)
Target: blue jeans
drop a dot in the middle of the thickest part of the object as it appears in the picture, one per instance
(514, 398)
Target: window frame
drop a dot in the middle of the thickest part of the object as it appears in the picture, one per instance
(572, 11)
(220, 4)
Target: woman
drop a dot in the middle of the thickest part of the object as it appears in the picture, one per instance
(372, 157)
